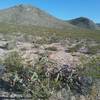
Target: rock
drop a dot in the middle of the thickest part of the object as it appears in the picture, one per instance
(66, 94)
(11, 45)
(61, 57)
(83, 50)
(2, 70)
(73, 98)
(86, 83)
(30, 57)
(62, 95)
(67, 50)
(3, 44)
(82, 97)
(4, 85)
(2, 53)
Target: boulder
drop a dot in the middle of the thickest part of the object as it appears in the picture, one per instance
(3, 44)
(83, 50)
(86, 83)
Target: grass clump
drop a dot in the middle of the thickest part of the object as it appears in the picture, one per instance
(75, 48)
(94, 49)
(51, 48)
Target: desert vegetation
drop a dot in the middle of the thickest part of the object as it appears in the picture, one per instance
(42, 61)
(45, 78)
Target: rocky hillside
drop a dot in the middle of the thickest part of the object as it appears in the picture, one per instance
(83, 22)
(29, 15)
(98, 24)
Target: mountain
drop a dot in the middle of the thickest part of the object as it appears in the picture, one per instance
(83, 22)
(98, 24)
(29, 15)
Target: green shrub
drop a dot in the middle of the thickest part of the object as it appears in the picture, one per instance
(92, 68)
(94, 49)
(75, 48)
(13, 62)
(51, 48)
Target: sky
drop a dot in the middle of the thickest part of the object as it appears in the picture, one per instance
(62, 9)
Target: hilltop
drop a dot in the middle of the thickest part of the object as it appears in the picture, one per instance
(29, 15)
(84, 22)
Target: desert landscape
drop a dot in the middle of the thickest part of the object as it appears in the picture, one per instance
(45, 58)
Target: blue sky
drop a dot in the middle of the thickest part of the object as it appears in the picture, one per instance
(63, 9)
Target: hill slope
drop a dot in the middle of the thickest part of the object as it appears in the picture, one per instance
(98, 24)
(83, 22)
(28, 15)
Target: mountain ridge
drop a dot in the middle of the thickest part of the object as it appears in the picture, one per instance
(28, 15)
(83, 22)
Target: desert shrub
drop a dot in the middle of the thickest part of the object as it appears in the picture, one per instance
(1, 61)
(75, 48)
(52, 38)
(90, 49)
(92, 67)
(41, 41)
(94, 49)
(42, 79)
(51, 48)
(26, 80)
(13, 62)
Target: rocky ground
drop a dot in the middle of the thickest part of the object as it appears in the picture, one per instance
(30, 51)
(64, 52)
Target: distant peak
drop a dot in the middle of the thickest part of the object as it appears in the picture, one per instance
(24, 6)
(83, 22)
(82, 19)
(27, 7)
